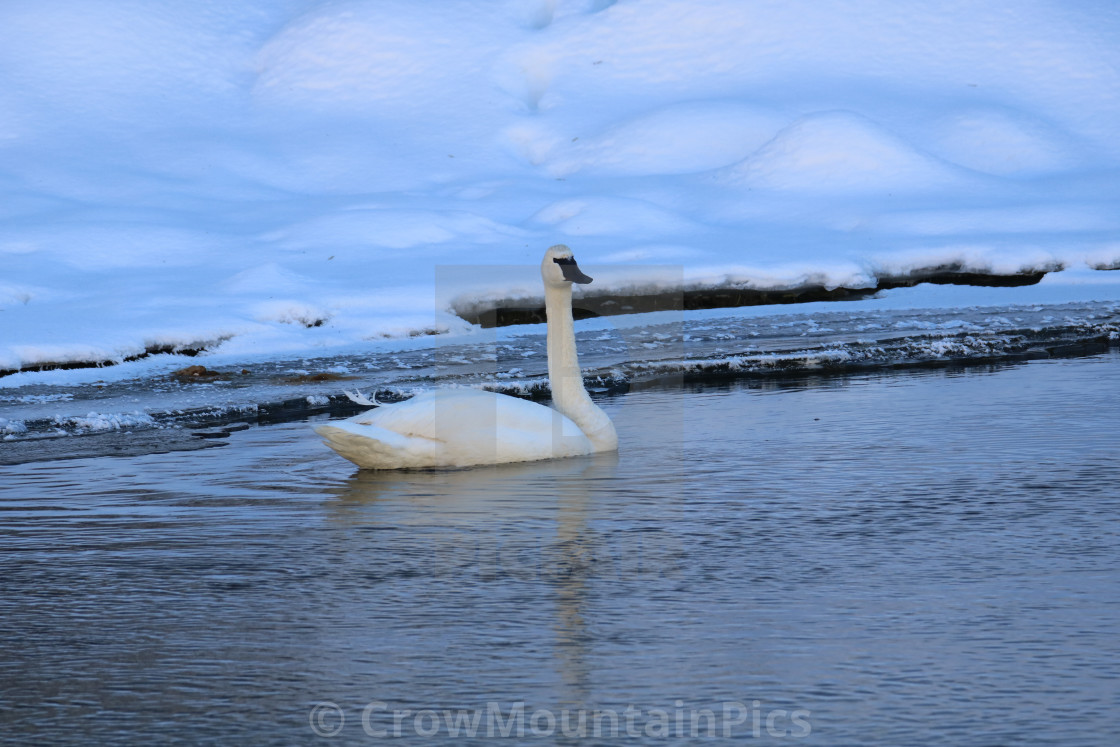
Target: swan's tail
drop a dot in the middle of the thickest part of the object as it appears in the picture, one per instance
(373, 447)
(358, 398)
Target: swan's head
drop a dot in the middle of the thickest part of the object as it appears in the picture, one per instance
(559, 268)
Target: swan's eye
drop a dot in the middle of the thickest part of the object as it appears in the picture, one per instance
(565, 260)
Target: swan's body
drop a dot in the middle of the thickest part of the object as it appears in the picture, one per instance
(455, 428)
(464, 427)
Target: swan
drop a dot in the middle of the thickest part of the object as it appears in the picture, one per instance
(467, 427)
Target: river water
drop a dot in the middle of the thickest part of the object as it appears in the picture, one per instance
(922, 557)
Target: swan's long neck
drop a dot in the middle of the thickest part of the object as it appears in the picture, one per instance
(565, 377)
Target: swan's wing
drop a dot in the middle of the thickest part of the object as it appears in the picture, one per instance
(373, 447)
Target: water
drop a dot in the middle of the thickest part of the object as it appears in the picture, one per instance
(908, 558)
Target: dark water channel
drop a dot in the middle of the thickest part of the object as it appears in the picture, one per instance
(910, 558)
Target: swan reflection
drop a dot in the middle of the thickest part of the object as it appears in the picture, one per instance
(525, 523)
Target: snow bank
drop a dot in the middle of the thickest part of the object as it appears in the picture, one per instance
(265, 177)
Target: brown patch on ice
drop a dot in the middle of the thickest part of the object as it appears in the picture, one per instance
(316, 378)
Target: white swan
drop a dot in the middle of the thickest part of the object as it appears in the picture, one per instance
(464, 427)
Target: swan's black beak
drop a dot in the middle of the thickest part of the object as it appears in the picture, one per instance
(571, 270)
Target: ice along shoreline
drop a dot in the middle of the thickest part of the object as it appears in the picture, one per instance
(164, 411)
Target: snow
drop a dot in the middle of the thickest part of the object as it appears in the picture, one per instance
(96, 421)
(293, 176)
